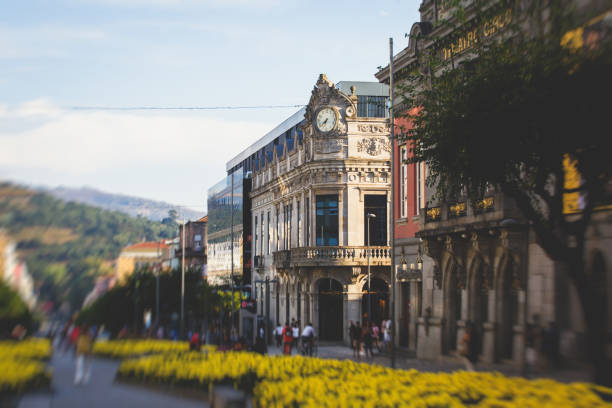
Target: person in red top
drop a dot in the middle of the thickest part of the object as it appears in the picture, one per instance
(287, 338)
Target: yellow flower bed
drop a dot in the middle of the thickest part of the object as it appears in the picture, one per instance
(310, 382)
(132, 348)
(32, 348)
(21, 367)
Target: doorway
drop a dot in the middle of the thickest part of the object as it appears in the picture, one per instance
(330, 298)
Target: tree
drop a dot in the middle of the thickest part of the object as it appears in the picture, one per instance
(13, 311)
(517, 116)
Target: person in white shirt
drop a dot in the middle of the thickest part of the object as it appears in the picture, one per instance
(308, 335)
(296, 335)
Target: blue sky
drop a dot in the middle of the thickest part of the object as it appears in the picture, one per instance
(55, 55)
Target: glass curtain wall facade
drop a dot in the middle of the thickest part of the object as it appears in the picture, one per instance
(225, 219)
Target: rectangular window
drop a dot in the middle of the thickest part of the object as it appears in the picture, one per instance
(327, 220)
(403, 182)
(377, 205)
(277, 228)
(372, 106)
(419, 188)
(289, 225)
(261, 243)
(255, 233)
(299, 223)
(268, 232)
(307, 221)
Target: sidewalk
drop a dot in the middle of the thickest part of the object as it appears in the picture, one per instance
(101, 391)
(406, 361)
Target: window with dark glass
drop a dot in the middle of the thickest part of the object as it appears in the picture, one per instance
(327, 220)
(255, 230)
(277, 229)
(307, 221)
(299, 224)
(268, 233)
(261, 251)
(377, 205)
(372, 106)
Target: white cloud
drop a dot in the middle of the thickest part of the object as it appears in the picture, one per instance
(120, 151)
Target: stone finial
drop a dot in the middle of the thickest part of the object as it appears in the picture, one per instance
(324, 80)
(353, 90)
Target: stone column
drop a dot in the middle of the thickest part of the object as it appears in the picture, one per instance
(488, 337)
(414, 308)
(352, 308)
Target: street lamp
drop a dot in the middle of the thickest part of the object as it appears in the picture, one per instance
(369, 216)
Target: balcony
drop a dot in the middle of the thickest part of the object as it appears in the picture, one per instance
(333, 256)
(282, 259)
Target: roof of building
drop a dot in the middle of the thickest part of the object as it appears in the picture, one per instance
(146, 245)
(361, 88)
(203, 219)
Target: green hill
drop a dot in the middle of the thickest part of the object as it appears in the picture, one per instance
(66, 244)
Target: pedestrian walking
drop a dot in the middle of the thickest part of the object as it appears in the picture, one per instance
(376, 336)
(295, 335)
(367, 339)
(287, 339)
(260, 345)
(308, 335)
(352, 336)
(83, 350)
(358, 338)
(386, 328)
(194, 343)
(466, 348)
(278, 334)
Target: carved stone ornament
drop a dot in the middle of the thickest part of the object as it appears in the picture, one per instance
(373, 146)
(329, 146)
(372, 128)
(350, 112)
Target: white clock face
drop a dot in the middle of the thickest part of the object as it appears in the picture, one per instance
(326, 119)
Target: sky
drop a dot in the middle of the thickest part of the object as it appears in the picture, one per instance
(57, 57)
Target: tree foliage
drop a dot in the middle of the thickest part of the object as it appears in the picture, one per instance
(515, 113)
(124, 304)
(13, 311)
(65, 269)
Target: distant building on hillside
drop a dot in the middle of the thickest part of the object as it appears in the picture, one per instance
(195, 244)
(14, 272)
(140, 255)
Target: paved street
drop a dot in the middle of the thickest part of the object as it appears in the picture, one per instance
(101, 391)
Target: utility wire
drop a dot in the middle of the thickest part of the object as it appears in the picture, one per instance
(133, 108)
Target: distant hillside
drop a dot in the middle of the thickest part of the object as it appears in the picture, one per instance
(66, 244)
(134, 206)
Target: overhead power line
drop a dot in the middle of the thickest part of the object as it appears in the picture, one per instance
(132, 108)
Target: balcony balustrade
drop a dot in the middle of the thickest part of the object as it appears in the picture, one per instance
(333, 256)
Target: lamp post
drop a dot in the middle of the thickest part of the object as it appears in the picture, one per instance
(369, 216)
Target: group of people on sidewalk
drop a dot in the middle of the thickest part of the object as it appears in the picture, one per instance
(364, 338)
(79, 340)
(290, 338)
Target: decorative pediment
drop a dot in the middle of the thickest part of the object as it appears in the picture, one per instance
(324, 94)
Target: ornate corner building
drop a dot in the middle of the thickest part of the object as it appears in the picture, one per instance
(312, 191)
